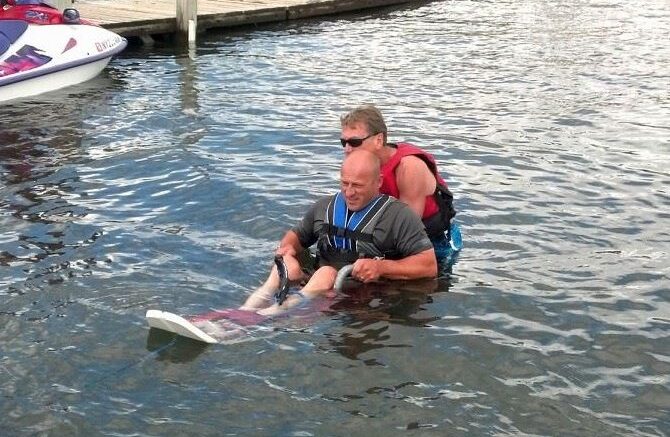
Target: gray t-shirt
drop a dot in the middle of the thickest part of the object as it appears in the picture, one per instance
(398, 233)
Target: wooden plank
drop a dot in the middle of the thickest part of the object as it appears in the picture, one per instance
(328, 7)
(187, 19)
(146, 17)
(241, 18)
(62, 4)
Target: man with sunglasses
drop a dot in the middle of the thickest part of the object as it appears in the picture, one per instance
(380, 236)
(409, 174)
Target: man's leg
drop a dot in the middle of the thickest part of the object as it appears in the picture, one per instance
(321, 282)
(262, 297)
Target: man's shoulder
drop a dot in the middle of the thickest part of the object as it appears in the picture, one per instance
(397, 208)
(325, 198)
(414, 163)
(413, 160)
(410, 149)
(322, 202)
(405, 224)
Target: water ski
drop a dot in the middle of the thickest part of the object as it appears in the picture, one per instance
(224, 325)
(186, 327)
(173, 323)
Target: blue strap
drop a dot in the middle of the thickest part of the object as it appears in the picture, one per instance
(340, 212)
(342, 219)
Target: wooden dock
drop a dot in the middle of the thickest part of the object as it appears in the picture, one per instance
(138, 18)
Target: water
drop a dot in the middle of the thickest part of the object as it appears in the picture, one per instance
(167, 181)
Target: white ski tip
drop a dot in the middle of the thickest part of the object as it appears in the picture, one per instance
(173, 323)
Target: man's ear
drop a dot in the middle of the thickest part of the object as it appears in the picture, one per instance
(379, 141)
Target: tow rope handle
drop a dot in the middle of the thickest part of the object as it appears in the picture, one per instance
(342, 275)
(283, 291)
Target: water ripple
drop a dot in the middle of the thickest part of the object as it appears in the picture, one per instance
(166, 182)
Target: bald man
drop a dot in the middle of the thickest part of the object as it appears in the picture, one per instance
(381, 236)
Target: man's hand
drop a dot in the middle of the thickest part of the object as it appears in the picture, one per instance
(289, 245)
(367, 270)
(417, 266)
(286, 250)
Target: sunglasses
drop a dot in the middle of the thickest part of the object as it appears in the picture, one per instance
(354, 142)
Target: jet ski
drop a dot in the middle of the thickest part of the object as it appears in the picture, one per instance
(43, 49)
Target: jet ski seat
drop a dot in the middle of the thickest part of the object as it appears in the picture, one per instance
(10, 31)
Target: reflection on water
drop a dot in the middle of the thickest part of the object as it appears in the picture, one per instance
(165, 183)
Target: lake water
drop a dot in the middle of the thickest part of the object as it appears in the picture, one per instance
(166, 182)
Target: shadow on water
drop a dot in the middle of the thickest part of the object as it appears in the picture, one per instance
(174, 349)
(368, 311)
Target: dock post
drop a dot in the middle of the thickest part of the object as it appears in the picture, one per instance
(187, 20)
(62, 4)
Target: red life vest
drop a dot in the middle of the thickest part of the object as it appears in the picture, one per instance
(390, 185)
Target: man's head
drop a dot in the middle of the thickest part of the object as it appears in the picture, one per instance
(360, 179)
(363, 128)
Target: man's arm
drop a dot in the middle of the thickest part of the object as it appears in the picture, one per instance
(415, 181)
(418, 266)
(421, 265)
(289, 245)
